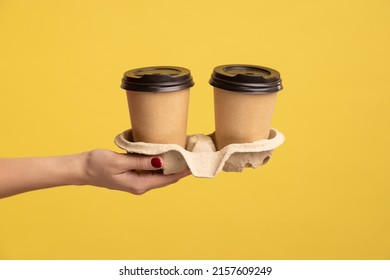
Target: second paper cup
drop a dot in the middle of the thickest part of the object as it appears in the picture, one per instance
(244, 100)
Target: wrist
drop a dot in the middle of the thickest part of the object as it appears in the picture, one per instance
(79, 168)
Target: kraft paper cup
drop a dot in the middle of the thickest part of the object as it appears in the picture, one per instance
(158, 100)
(244, 101)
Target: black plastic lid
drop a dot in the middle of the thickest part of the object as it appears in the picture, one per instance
(157, 79)
(246, 78)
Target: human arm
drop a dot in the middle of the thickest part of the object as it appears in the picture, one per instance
(101, 168)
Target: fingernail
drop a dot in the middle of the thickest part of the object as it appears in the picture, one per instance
(156, 162)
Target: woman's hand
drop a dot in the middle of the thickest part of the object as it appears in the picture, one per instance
(136, 174)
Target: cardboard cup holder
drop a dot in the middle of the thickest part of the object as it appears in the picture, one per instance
(201, 156)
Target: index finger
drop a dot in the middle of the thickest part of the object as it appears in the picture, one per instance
(158, 180)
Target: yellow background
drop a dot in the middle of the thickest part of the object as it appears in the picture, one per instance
(324, 194)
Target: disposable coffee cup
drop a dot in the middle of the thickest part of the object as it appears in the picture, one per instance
(158, 100)
(244, 100)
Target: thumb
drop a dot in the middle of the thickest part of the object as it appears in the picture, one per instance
(140, 162)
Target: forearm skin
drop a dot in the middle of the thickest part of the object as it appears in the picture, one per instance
(18, 175)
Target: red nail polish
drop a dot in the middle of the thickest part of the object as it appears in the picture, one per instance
(156, 162)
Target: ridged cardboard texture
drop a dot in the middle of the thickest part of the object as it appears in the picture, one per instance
(201, 156)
